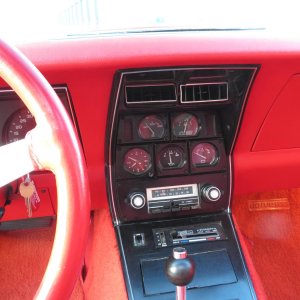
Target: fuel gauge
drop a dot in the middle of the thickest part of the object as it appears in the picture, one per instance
(204, 154)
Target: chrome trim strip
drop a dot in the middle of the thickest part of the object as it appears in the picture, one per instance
(114, 212)
(203, 101)
(155, 101)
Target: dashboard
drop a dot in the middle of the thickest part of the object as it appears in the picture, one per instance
(241, 141)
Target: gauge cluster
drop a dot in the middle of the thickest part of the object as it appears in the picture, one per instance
(169, 144)
(173, 133)
(16, 120)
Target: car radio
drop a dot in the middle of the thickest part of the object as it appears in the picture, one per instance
(173, 198)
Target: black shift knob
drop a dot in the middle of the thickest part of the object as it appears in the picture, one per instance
(180, 268)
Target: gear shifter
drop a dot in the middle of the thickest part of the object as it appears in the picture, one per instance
(180, 270)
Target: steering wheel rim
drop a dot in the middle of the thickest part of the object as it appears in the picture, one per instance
(53, 145)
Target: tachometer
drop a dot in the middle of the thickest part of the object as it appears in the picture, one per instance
(18, 124)
(185, 125)
(137, 161)
(151, 127)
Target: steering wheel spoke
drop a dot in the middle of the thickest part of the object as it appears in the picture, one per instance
(15, 161)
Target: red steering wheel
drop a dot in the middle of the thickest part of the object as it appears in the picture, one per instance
(53, 145)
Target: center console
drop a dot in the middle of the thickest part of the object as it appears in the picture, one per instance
(170, 136)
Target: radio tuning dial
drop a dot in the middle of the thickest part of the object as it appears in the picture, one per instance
(211, 193)
(137, 200)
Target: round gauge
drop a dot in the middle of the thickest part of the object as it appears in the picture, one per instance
(151, 127)
(185, 125)
(171, 157)
(137, 161)
(204, 154)
(18, 125)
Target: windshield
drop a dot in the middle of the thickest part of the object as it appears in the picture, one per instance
(24, 20)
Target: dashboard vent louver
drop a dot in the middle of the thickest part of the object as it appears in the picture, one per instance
(204, 92)
(136, 94)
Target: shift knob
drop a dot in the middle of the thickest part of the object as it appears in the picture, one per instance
(180, 268)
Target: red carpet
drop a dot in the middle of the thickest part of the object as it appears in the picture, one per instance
(271, 236)
(23, 259)
(104, 279)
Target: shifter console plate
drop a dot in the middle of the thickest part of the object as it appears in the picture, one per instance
(166, 237)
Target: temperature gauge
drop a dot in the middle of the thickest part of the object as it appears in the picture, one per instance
(137, 161)
(204, 154)
(151, 128)
(185, 125)
(171, 157)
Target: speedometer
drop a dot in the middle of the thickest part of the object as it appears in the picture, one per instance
(18, 124)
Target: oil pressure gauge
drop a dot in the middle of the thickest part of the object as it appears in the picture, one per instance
(204, 154)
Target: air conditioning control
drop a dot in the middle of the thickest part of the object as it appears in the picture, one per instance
(137, 200)
(211, 193)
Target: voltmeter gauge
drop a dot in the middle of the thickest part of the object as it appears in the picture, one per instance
(137, 161)
(185, 125)
(204, 154)
(151, 128)
(171, 157)
(18, 125)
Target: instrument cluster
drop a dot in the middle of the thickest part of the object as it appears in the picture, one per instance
(169, 144)
(16, 120)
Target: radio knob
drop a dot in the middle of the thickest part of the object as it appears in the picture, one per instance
(211, 193)
(137, 200)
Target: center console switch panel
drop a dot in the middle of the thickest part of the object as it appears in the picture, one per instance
(174, 236)
(209, 240)
(170, 133)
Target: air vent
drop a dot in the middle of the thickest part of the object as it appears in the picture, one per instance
(204, 92)
(150, 93)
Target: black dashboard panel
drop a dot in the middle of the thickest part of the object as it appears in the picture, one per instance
(171, 130)
(220, 271)
(170, 134)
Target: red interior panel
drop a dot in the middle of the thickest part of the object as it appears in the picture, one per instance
(281, 126)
